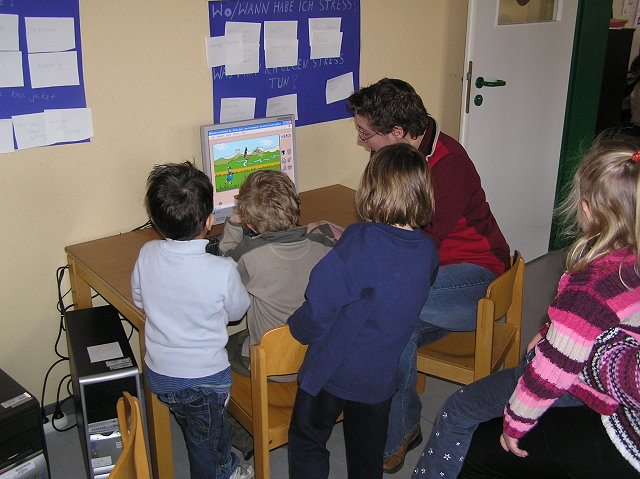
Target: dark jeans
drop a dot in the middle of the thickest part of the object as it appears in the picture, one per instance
(200, 413)
(365, 433)
(567, 443)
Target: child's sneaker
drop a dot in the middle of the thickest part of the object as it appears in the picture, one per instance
(243, 472)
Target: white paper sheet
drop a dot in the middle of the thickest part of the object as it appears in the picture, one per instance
(280, 30)
(50, 34)
(9, 41)
(69, 124)
(11, 74)
(215, 48)
(6, 136)
(339, 88)
(250, 31)
(282, 105)
(281, 53)
(235, 109)
(104, 352)
(325, 44)
(30, 130)
(53, 69)
(242, 61)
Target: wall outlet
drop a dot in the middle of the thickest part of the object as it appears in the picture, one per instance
(61, 423)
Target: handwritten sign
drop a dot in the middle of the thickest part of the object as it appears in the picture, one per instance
(289, 56)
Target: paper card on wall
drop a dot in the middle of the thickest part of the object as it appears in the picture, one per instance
(11, 74)
(280, 30)
(46, 34)
(6, 136)
(30, 130)
(243, 62)
(339, 88)
(104, 352)
(9, 41)
(325, 44)
(69, 124)
(215, 48)
(283, 105)
(324, 24)
(235, 109)
(53, 69)
(281, 53)
(250, 31)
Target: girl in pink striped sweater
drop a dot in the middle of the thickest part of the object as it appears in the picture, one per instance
(600, 290)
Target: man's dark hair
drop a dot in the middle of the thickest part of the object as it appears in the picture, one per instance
(179, 200)
(389, 103)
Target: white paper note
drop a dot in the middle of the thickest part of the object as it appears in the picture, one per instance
(243, 61)
(6, 136)
(70, 124)
(326, 44)
(11, 69)
(339, 88)
(215, 48)
(280, 30)
(45, 34)
(250, 31)
(30, 130)
(282, 105)
(235, 109)
(104, 352)
(281, 53)
(53, 69)
(9, 33)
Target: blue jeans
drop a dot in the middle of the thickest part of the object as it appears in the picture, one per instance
(461, 414)
(200, 413)
(451, 306)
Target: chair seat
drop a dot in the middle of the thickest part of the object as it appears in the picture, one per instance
(281, 398)
(454, 355)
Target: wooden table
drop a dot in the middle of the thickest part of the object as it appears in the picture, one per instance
(105, 265)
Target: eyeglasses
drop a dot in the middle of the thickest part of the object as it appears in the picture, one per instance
(362, 137)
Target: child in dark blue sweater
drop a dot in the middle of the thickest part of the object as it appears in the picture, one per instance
(363, 301)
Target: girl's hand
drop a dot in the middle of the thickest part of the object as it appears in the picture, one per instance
(532, 344)
(509, 443)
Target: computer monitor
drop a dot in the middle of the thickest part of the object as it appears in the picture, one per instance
(231, 151)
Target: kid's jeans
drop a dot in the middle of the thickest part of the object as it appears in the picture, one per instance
(200, 412)
(365, 432)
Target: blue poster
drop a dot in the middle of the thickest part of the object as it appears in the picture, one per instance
(40, 90)
(300, 53)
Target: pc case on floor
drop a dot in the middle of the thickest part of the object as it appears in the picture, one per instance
(102, 366)
(23, 451)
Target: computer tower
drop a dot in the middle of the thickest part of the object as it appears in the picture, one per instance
(23, 451)
(102, 366)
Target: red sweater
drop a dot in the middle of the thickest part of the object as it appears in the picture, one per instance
(463, 226)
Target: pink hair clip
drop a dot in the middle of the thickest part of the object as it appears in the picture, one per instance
(636, 157)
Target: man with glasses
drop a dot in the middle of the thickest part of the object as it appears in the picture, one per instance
(473, 251)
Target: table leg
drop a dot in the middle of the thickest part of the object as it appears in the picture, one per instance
(159, 428)
(80, 289)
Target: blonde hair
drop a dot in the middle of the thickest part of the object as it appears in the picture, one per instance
(395, 188)
(607, 180)
(268, 201)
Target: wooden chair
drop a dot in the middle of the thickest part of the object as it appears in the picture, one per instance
(464, 357)
(264, 407)
(133, 462)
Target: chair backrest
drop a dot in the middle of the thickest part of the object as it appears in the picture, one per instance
(133, 462)
(464, 357)
(264, 406)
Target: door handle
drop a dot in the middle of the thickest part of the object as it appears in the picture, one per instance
(480, 82)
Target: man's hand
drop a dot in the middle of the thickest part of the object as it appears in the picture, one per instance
(509, 443)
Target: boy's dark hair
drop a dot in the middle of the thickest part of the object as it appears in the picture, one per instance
(395, 188)
(268, 202)
(179, 200)
(390, 103)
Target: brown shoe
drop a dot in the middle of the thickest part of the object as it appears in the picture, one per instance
(393, 464)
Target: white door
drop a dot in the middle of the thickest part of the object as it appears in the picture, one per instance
(518, 57)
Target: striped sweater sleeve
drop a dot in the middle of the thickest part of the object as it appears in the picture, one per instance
(577, 316)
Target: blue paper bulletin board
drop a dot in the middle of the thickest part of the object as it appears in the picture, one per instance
(25, 99)
(308, 79)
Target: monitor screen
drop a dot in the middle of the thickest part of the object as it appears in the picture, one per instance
(231, 151)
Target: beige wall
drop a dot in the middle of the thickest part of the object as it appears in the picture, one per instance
(148, 85)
